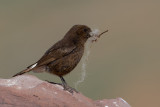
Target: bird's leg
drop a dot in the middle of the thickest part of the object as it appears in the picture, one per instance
(66, 87)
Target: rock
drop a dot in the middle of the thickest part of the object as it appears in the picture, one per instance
(29, 91)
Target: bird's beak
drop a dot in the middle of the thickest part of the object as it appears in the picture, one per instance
(88, 35)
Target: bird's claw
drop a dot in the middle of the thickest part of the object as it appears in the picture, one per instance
(70, 89)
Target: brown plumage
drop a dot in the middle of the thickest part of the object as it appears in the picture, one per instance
(63, 56)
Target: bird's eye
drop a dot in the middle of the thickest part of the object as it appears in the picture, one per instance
(85, 30)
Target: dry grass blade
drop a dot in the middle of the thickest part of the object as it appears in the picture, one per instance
(102, 33)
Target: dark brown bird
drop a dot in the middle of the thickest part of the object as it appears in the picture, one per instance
(63, 56)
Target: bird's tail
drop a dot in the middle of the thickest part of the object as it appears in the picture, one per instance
(22, 72)
(26, 70)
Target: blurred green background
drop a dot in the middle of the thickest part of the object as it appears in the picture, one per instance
(123, 63)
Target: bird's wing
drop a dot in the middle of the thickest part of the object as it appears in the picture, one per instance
(55, 53)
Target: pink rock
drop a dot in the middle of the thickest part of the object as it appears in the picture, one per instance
(29, 91)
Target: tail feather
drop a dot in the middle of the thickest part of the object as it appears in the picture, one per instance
(22, 72)
(31, 67)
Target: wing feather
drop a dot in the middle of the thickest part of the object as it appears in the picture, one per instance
(55, 53)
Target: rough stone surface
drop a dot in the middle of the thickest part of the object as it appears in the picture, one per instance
(29, 91)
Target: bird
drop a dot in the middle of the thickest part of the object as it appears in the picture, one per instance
(63, 56)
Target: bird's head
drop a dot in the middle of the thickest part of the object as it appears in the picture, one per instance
(83, 31)
(78, 34)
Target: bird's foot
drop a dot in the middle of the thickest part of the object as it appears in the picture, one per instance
(66, 87)
(53, 82)
(70, 89)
